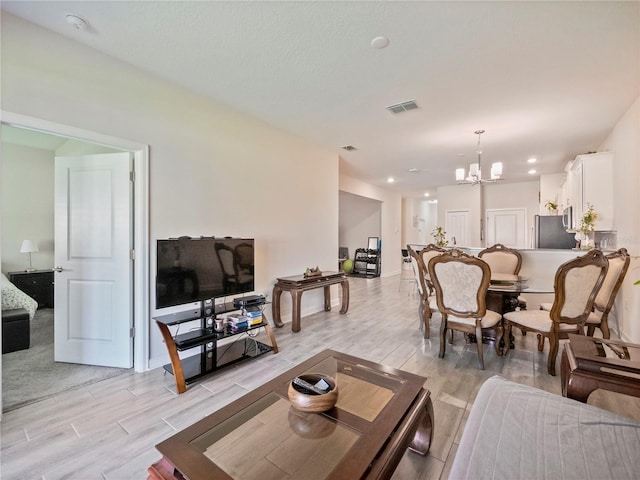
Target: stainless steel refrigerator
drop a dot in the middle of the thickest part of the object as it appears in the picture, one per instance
(549, 232)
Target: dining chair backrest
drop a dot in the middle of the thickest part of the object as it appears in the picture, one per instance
(576, 285)
(430, 251)
(418, 270)
(502, 259)
(618, 266)
(461, 282)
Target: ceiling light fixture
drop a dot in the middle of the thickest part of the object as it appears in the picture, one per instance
(426, 194)
(390, 180)
(475, 174)
(532, 160)
(380, 42)
(531, 172)
(76, 22)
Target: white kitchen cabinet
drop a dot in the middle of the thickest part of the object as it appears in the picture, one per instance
(590, 180)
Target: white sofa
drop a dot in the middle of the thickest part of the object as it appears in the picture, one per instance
(519, 432)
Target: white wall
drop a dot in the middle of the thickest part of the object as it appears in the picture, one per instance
(457, 198)
(624, 142)
(359, 219)
(425, 213)
(27, 206)
(213, 170)
(390, 219)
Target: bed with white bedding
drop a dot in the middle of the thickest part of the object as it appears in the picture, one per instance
(13, 297)
(519, 432)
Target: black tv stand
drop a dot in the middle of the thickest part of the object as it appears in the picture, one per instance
(212, 357)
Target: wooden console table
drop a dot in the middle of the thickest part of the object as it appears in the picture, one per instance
(590, 363)
(298, 284)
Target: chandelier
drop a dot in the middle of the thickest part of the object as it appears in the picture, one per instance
(475, 174)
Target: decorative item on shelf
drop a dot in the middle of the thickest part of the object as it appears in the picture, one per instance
(312, 271)
(475, 172)
(313, 392)
(587, 228)
(439, 237)
(29, 247)
(552, 207)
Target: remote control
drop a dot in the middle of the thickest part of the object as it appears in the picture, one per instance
(306, 385)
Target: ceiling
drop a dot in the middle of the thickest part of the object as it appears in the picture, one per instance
(543, 79)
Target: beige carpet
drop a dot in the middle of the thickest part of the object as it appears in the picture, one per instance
(31, 375)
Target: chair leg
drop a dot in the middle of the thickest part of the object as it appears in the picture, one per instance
(500, 350)
(540, 342)
(479, 343)
(443, 336)
(553, 352)
(604, 326)
(426, 319)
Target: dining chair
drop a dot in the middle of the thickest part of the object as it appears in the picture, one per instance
(404, 263)
(426, 254)
(576, 285)
(599, 317)
(427, 301)
(502, 259)
(461, 282)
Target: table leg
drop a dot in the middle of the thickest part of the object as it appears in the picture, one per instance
(327, 298)
(345, 296)
(176, 364)
(296, 296)
(275, 306)
(424, 433)
(272, 338)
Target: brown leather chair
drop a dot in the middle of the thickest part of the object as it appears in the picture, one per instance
(576, 285)
(461, 282)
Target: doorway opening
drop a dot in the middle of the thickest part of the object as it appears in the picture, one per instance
(75, 140)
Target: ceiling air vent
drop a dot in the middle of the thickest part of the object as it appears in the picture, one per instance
(349, 148)
(403, 107)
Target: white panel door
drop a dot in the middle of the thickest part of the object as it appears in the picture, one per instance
(507, 226)
(457, 227)
(93, 282)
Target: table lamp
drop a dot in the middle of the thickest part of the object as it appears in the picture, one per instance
(28, 247)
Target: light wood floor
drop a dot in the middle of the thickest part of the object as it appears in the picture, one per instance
(108, 430)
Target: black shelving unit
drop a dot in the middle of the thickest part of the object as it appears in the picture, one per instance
(212, 356)
(367, 262)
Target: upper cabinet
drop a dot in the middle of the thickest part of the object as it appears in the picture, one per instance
(590, 181)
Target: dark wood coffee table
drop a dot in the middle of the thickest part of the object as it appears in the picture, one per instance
(381, 411)
(590, 363)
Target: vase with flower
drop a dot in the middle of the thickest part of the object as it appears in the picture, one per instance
(588, 227)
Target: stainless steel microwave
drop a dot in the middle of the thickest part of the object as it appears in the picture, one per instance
(567, 217)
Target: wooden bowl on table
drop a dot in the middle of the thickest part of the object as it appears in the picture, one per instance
(309, 402)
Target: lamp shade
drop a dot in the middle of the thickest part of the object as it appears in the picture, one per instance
(28, 247)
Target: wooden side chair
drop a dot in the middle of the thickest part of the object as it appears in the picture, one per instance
(502, 259)
(576, 285)
(599, 318)
(424, 310)
(461, 282)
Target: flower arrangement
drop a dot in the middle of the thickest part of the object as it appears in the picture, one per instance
(588, 220)
(551, 206)
(439, 237)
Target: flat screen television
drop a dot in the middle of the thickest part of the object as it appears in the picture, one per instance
(195, 269)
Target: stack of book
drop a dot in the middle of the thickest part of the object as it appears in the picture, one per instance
(237, 322)
(253, 315)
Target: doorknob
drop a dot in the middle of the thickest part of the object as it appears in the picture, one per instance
(58, 269)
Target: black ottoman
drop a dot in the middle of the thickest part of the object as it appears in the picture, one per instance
(15, 330)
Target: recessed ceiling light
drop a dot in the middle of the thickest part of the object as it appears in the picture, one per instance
(380, 42)
(532, 160)
(531, 172)
(390, 180)
(426, 194)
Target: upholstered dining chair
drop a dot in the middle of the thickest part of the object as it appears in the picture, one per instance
(426, 254)
(502, 259)
(427, 301)
(599, 318)
(461, 282)
(576, 285)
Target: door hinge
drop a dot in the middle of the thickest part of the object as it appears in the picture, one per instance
(132, 332)
(132, 176)
(132, 254)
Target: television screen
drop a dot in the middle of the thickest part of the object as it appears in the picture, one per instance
(194, 269)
